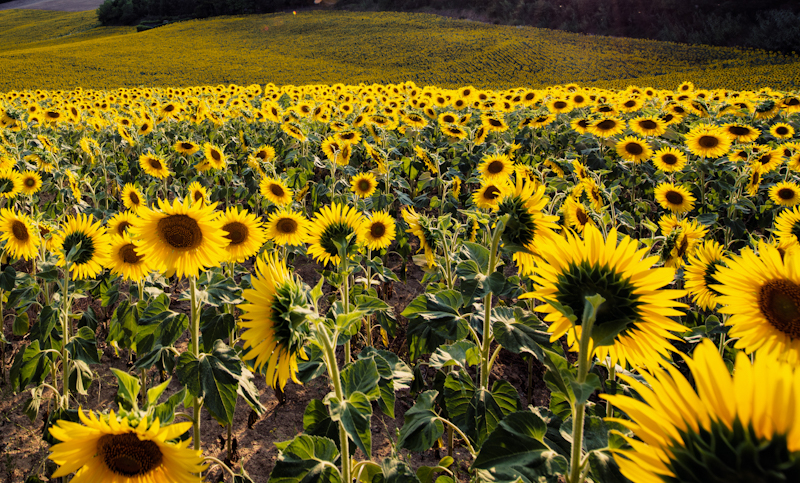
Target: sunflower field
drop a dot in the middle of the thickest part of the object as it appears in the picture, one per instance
(634, 250)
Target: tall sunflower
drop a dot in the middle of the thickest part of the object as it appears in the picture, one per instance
(197, 192)
(647, 126)
(182, 238)
(708, 141)
(741, 132)
(124, 260)
(287, 227)
(244, 233)
(378, 231)
(132, 198)
(762, 294)
(363, 184)
(18, 232)
(785, 193)
(276, 191)
(633, 325)
(31, 182)
(111, 448)
(669, 159)
(418, 225)
(154, 166)
(674, 198)
(719, 428)
(273, 322)
(496, 167)
(781, 130)
(86, 241)
(699, 274)
(633, 149)
(332, 223)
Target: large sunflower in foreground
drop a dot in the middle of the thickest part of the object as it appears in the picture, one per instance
(108, 448)
(181, 238)
(762, 294)
(633, 324)
(18, 232)
(273, 321)
(722, 428)
(332, 222)
(244, 233)
(88, 241)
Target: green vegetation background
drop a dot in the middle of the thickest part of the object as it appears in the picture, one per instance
(764, 24)
(60, 50)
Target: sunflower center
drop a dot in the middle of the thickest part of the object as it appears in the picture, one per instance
(786, 194)
(606, 125)
(122, 227)
(669, 159)
(765, 159)
(286, 225)
(634, 148)
(449, 118)
(495, 167)
(491, 193)
(560, 104)
(579, 99)
(19, 230)
(674, 197)
(739, 130)
(779, 301)
(237, 232)
(134, 198)
(583, 123)
(364, 185)
(782, 131)
(630, 104)
(30, 182)
(708, 142)
(180, 232)
(648, 124)
(377, 229)
(128, 254)
(582, 217)
(215, 154)
(86, 250)
(127, 455)
(155, 164)
(276, 190)
(187, 146)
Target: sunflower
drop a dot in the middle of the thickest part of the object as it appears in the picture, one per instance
(527, 225)
(708, 141)
(594, 192)
(363, 184)
(605, 128)
(214, 158)
(633, 149)
(699, 274)
(418, 225)
(273, 321)
(10, 183)
(454, 131)
(669, 159)
(378, 231)
(633, 325)
(496, 167)
(118, 224)
(767, 160)
(489, 194)
(123, 259)
(787, 225)
(287, 227)
(753, 182)
(681, 239)
(674, 198)
(197, 192)
(785, 193)
(579, 125)
(575, 215)
(740, 427)
(244, 233)
(647, 126)
(86, 242)
(186, 147)
(540, 121)
(111, 448)
(336, 151)
(333, 223)
(559, 106)
(31, 182)
(741, 132)
(264, 153)
(275, 191)
(494, 122)
(182, 238)
(19, 233)
(132, 198)
(762, 294)
(154, 166)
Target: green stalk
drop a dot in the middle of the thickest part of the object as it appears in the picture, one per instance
(65, 341)
(346, 301)
(195, 329)
(584, 358)
(612, 376)
(333, 370)
(486, 344)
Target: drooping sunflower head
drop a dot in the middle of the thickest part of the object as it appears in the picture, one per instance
(333, 227)
(197, 193)
(274, 321)
(265, 153)
(181, 238)
(766, 160)
(111, 448)
(378, 231)
(276, 191)
(699, 274)
(31, 182)
(287, 227)
(244, 233)
(186, 147)
(214, 158)
(82, 246)
(419, 225)
(677, 199)
(363, 184)
(576, 215)
(132, 198)
(496, 167)
(19, 233)
(632, 325)
(736, 428)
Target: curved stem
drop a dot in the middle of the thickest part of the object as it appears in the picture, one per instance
(460, 434)
(220, 463)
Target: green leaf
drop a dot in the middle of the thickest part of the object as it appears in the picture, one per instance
(30, 366)
(477, 411)
(476, 253)
(214, 326)
(217, 289)
(154, 393)
(306, 459)
(422, 426)
(583, 391)
(434, 319)
(354, 413)
(395, 471)
(160, 357)
(249, 392)
(165, 412)
(21, 325)
(128, 390)
(461, 354)
(213, 377)
(558, 376)
(317, 421)
(43, 330)
(515, 450)
(361, 376)
(605, 469)
(425, 473)
(390, 366)
(8, 278)
(519, 332)
(83, 346)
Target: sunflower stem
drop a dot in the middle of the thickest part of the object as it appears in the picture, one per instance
(579, 409)
(195, 328)
(333, 370)
(346, 300)
(612, 376)
(486, 344)
(65, 341)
